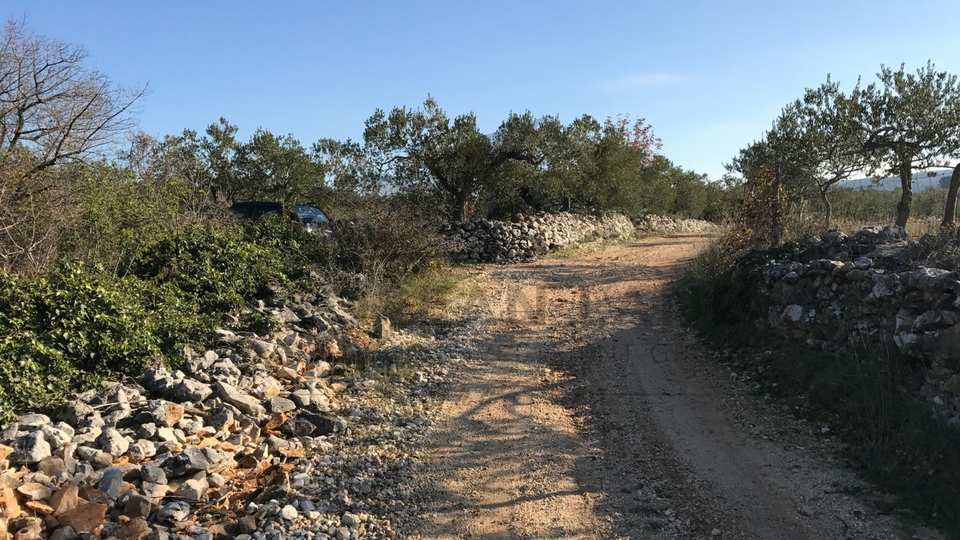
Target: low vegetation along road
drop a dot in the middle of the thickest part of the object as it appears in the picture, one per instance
(589, 412)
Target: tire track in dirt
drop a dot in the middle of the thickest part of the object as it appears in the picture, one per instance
(588, 412)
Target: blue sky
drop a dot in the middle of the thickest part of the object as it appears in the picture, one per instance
(710, 76)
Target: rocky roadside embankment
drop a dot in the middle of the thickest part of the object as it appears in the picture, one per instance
(864, 289)
(304, 434)
(525, 237)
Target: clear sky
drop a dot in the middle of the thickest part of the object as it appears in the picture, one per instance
(709, 75)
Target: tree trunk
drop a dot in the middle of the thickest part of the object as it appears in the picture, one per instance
(827, 209)
(462, 200)
(951, 211)
(776, 235)
(906, 197)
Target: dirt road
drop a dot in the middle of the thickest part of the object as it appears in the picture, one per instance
(589, 412)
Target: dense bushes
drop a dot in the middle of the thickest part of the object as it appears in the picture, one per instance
(164, 282)
(213, 263)
(71, 327)
(68, 329)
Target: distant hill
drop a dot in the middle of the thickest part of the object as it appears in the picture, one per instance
(935, 178)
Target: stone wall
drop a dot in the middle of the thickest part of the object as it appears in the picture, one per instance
(862, 291)
(525, 237)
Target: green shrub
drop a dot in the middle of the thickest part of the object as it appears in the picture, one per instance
(118, 215)
(67, 330)
(712, 300)
(214, 263)
(300, 251)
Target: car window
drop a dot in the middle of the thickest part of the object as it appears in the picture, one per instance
(310, 213)
(258, 212)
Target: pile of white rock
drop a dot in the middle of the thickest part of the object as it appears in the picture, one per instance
(654, 224)
(266, 437)
(525, 237)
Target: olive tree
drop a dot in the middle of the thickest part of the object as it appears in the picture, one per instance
(904, 122)
(425, 148)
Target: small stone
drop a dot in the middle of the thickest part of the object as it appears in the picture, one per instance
(154, 491)
(30, 448)
(35, 491)
(168, 447)
(101, 460)
(65, 500)
(263, 349)
(137, 506)
(159, 534)
(64, 533)
(324, 368)
(135, 529)
(151, 473)
(191, 390)
(245, 403)
(111, 483)
(247, 525)
(280, 405)
(715, 532)
(192, 428)
(141, 450)
(349, 519)
(147, 431)
(190, 461)
(9, 505)
(382, 329)
(216, 480)
(174, 512)
(191, 491)
(301, 398)
(165, 413)
(83, 518)
(289, 513)
(167, 434)
(32, 422)
(222, 418)
(28, 529)
(53, 467)
(806, 511)
(55, 436)
(112, 442)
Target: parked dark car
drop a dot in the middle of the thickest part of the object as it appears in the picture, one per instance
(311, 218)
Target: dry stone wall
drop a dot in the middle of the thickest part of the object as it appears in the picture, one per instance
(525, 237)
(860, 291)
